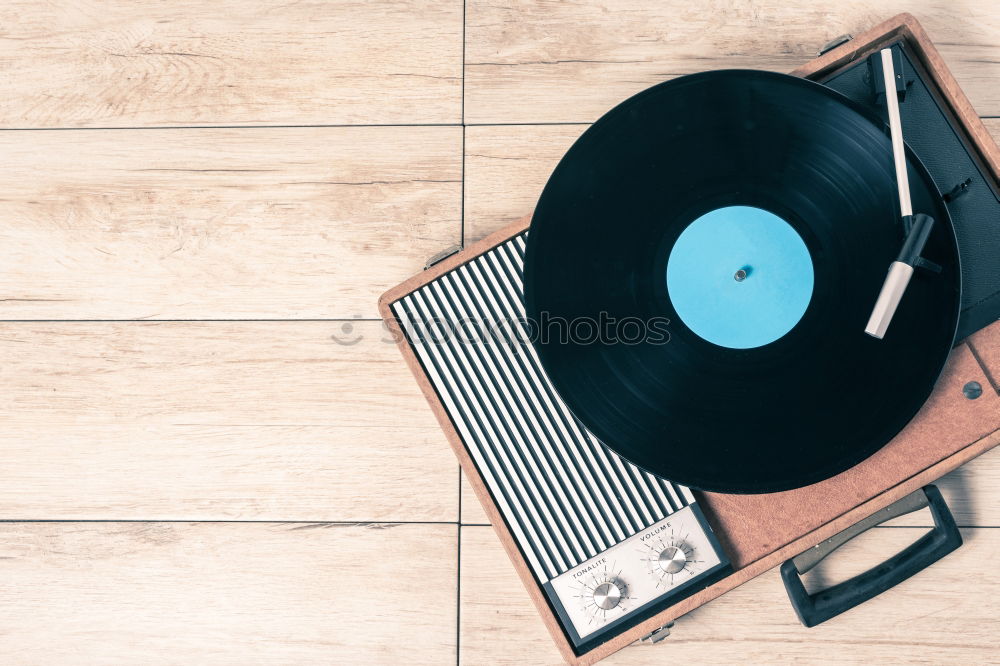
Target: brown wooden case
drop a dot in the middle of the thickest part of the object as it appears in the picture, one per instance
(760, 532)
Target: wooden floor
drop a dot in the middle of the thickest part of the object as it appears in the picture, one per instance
(210, 452)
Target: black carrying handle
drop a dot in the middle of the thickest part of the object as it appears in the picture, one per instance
(813, 609)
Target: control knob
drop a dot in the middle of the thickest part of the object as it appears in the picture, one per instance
(609, 593)
(673, 558)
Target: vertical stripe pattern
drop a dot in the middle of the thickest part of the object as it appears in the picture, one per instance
(564, 495)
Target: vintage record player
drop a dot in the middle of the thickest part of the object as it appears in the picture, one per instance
(629, 485)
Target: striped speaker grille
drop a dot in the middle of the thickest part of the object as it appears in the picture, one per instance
(564, 495)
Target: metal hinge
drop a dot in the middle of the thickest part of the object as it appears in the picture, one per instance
(913, 502)
(442, 255)
(835, 42)
(657, 635)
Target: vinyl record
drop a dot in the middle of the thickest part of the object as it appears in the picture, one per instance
(725, 235)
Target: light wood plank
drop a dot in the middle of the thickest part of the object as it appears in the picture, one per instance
(221, 223)
(211, 421)
(126, 63)
(971, 491)
(949, 613)
(507, 166)
(533, 62)
(472, 509)
(223, 593)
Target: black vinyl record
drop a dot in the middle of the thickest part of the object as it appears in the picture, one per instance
(794, 410)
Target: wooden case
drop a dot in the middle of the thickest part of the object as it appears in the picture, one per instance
(760, 532)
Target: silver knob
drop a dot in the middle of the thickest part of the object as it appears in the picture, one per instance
(672, 559)
(609, 594)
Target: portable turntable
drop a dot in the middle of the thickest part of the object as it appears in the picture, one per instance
(570, 446)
